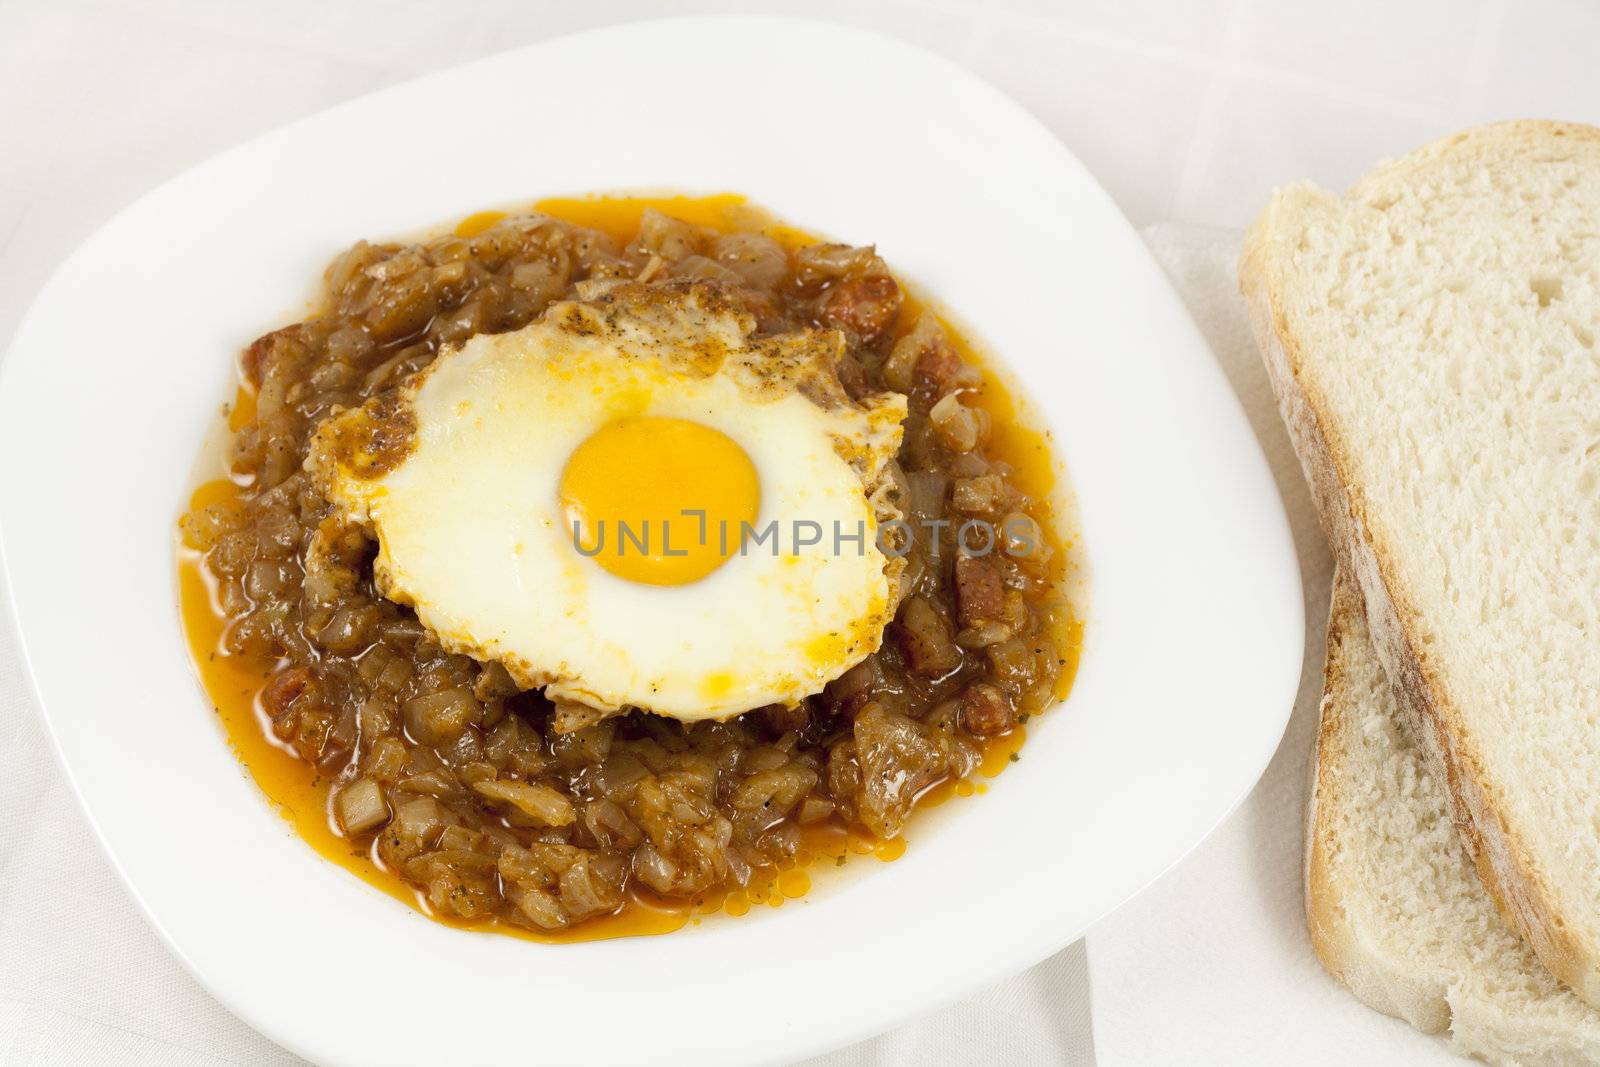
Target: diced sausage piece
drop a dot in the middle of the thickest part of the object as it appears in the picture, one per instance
(285, 688)
(925, 639)
(264, 349)
(980, 592)
(940, 367)
(867, 305)
(986, 710)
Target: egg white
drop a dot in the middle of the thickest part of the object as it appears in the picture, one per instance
(471, 532)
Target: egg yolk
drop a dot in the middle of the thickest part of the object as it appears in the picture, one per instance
(662, 501)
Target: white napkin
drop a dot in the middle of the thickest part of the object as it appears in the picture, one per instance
(1212, 965)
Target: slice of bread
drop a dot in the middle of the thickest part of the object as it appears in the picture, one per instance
(1430, 336)
(1395, 908)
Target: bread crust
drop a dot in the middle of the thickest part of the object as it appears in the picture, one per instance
(1376, 980)
(1503, 863)
(1326, 920)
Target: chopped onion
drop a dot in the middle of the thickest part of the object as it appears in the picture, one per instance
(360, 806)
(543, 805)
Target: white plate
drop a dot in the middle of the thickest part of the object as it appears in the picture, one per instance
(1194, 624)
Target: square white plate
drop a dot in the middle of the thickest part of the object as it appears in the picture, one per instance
(1194, 620)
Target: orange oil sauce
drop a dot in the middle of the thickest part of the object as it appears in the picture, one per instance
(233, 683)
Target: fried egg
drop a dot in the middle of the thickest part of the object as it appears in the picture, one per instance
(633, 502)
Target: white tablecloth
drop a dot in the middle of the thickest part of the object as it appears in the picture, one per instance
(1187, 112)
